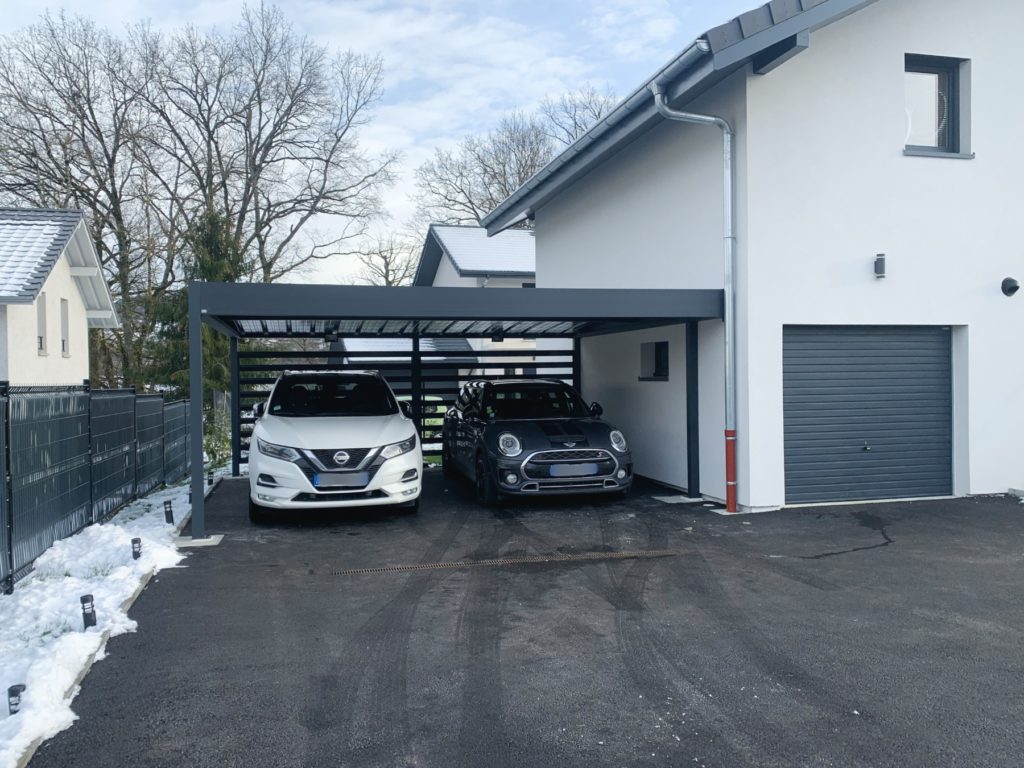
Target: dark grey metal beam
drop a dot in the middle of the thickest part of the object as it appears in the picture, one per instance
(236, 411)
(692, 413)
(232, 301)
(195, 368)
(780, 53)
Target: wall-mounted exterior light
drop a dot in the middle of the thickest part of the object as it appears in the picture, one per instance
(1010, 286)
(880, 265)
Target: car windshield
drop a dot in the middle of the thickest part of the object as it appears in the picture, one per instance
(533, 401)
(332, 396)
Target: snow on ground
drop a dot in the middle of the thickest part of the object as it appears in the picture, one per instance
(42, 642)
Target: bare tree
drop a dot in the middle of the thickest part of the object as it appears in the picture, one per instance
(461, 186)
(149, 133)
(570, 115)
(392, 261)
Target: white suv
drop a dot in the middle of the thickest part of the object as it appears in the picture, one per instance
(333, 439)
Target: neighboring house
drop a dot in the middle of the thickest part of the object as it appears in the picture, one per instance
(459, 256)
(862, 128)
(360, 352)
(52, 291)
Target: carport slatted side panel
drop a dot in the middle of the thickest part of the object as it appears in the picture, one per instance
(50, 483)
(112, 436)
(442, 376)
(149, 435)
(868, 413)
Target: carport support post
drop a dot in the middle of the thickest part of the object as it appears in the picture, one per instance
(195, 393)
(236, 410)
(692, 413)
(416, 398)
(577, 364)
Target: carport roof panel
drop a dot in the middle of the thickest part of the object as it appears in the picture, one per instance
(282, 310)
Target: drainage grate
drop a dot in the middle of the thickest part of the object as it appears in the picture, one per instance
(644, 554)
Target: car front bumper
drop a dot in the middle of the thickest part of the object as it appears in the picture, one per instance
(392, 483)
(618, 480)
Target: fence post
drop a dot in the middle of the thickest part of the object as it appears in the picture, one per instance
(8, 582)
(88, 429)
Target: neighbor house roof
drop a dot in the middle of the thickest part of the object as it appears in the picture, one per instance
(473, 254)
(31, 242)
(765, 37)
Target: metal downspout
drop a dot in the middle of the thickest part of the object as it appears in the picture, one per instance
(729, 175)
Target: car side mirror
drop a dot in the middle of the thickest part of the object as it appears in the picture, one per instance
(258, 410)
(596, 410)
(406, 408)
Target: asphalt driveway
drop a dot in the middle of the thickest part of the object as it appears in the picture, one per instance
(876, 635)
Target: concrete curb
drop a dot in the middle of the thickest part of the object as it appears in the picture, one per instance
(69, 694)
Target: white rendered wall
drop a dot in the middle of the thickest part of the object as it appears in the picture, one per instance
(24, 363)
(651, 217)
(829, 187)
(647, 412)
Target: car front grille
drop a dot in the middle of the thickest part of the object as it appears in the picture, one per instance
(561, 457)
(355, 457)
(539, 465)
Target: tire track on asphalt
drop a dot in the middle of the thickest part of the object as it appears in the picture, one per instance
(360, 707)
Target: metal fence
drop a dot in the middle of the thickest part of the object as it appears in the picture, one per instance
(72, 457)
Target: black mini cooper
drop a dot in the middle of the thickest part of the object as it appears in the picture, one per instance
(533, 437)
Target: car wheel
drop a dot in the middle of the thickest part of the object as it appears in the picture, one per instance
(257, 514)
(486, 493)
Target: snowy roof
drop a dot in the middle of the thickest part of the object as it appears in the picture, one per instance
(474, 254)
(31, 242)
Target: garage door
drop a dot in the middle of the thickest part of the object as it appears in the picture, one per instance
(868, 412)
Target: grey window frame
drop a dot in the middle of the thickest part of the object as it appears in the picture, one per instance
(950, 69)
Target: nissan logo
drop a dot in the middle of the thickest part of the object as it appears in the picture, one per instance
(341, 457)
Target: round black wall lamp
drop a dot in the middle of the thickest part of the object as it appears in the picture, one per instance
(1010, 286)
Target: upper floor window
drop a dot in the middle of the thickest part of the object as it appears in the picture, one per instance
(934, 103)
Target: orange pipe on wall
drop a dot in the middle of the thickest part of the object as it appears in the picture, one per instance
(730, 470)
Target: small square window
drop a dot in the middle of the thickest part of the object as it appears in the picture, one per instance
(931, 87)
(654, 361)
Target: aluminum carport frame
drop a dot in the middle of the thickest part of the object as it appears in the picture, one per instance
(258, 310)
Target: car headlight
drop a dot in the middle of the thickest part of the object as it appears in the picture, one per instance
(277, 451)
(618, 441)
(397, 449)
(509, 444)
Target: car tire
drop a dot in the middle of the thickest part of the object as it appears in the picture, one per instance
(257, 514)
(486, 493)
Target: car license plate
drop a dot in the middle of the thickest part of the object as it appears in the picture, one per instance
(340, 479)
(573, 470)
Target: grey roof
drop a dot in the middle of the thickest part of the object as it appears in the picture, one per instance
(31, 242)
(473, 254)
(766, 36)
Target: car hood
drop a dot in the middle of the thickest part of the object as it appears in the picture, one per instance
(542, 434)
(335, 432)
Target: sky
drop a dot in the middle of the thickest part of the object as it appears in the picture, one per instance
(451, 67)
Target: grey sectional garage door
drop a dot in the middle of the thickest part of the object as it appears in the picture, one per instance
(868, 412)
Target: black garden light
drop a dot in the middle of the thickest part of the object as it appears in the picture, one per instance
(209, 478)
(14, 698)
(169, 512)
(88, 611)
(136, 548)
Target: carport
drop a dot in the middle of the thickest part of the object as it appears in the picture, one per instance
(245, 311)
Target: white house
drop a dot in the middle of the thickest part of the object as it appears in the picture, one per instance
(52, 291)
(862, 128)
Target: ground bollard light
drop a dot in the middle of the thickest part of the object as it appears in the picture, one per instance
(209, 479)
(136, 548)
(14, 698)
(88, 611)
(169, 512)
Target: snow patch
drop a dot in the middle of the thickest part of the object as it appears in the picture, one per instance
(42, 642)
